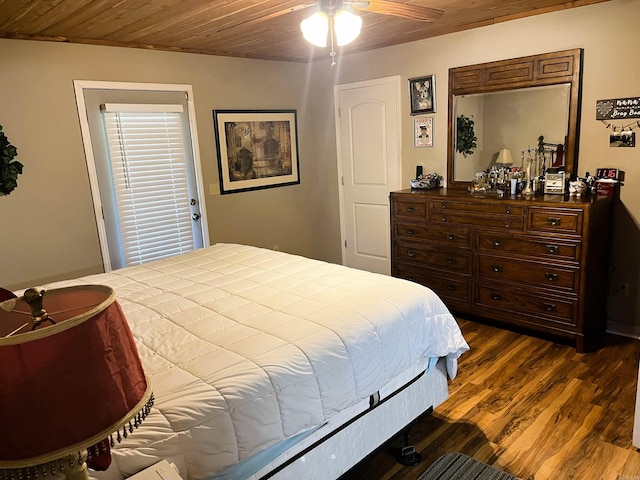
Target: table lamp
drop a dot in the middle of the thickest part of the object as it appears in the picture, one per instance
(70, 380)
(504, 157)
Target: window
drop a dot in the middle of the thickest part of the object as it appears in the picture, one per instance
(144, 170)
(147, 157)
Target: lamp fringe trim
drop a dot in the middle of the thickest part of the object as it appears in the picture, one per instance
(133, 423)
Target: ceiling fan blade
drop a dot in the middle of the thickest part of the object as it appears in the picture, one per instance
(387, 7)
(269, 16)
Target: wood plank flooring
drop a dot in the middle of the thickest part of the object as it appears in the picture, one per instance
(533, 408)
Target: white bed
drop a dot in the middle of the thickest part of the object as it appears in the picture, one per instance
(250, 349)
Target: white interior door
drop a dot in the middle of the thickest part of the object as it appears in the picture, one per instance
(368, 137)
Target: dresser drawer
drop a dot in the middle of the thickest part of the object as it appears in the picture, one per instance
(497, 222)
(537, 306)
(416, 210)
(440, 206)
(454, 287)
(552, 220)
(435, 257)
(538, 274)
(532, 246)
(449, 235)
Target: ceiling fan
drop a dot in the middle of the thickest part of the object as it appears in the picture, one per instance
(382, 7)
(333, 18)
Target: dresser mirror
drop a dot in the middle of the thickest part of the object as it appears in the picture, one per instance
(520, 105)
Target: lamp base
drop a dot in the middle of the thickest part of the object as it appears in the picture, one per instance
(76, 469)
(73, 467)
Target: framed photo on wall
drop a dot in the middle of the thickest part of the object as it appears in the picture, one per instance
(422, 94)
(423, 132)
(256, 149)
(622, 139)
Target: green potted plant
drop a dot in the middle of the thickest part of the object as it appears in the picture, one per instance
(465, 136)
(9, 168)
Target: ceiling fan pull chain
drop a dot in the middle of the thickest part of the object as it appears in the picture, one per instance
(333, 52)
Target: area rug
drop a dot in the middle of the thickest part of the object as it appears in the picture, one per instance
(457, 466)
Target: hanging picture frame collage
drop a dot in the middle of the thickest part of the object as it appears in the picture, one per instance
(622, 135)
(422, 97)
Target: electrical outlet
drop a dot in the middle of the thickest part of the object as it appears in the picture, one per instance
(623, 290)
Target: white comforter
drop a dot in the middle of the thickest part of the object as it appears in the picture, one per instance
(247, 347)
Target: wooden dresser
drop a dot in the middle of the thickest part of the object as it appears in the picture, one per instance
(538, 262)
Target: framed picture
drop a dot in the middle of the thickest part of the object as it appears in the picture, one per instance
(422, 93)
(256, 149)
(423, 132)
(622, 139)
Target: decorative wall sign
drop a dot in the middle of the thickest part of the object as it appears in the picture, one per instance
(618, 108)
(423, 132)
(256, 149)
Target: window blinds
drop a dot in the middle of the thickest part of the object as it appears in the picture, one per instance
(146, 150)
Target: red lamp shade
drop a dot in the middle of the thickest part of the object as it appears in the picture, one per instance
(68, 385)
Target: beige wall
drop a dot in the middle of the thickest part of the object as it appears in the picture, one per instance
(608, 33)
(47, 228)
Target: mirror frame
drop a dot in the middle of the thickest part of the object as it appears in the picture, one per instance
(533, 71)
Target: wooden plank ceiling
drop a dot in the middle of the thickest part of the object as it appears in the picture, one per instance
(264, 29)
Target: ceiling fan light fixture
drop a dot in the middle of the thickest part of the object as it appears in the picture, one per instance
(315, 29)
(347, 27)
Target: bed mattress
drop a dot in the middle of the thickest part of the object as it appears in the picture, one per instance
(247, 347)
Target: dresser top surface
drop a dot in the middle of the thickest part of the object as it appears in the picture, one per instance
(546, 200)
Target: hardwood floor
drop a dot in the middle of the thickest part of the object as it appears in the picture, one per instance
(532, 408)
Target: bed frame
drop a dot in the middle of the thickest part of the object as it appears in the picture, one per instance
(334, 449)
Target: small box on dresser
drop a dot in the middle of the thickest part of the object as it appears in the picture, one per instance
(536, 262)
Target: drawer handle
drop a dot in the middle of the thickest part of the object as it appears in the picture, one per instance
(450, 287)
(451, 261)
(410, 231)
(497, 243)
(410, 209)
(444, 205)
(508, 211)
(451, 237)
(444, 219)
(553, 249)
(411, 253)
(496, 268)
(507, 224)
(552, 277)
(496, 296)
(554, 222)
(549, 307)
